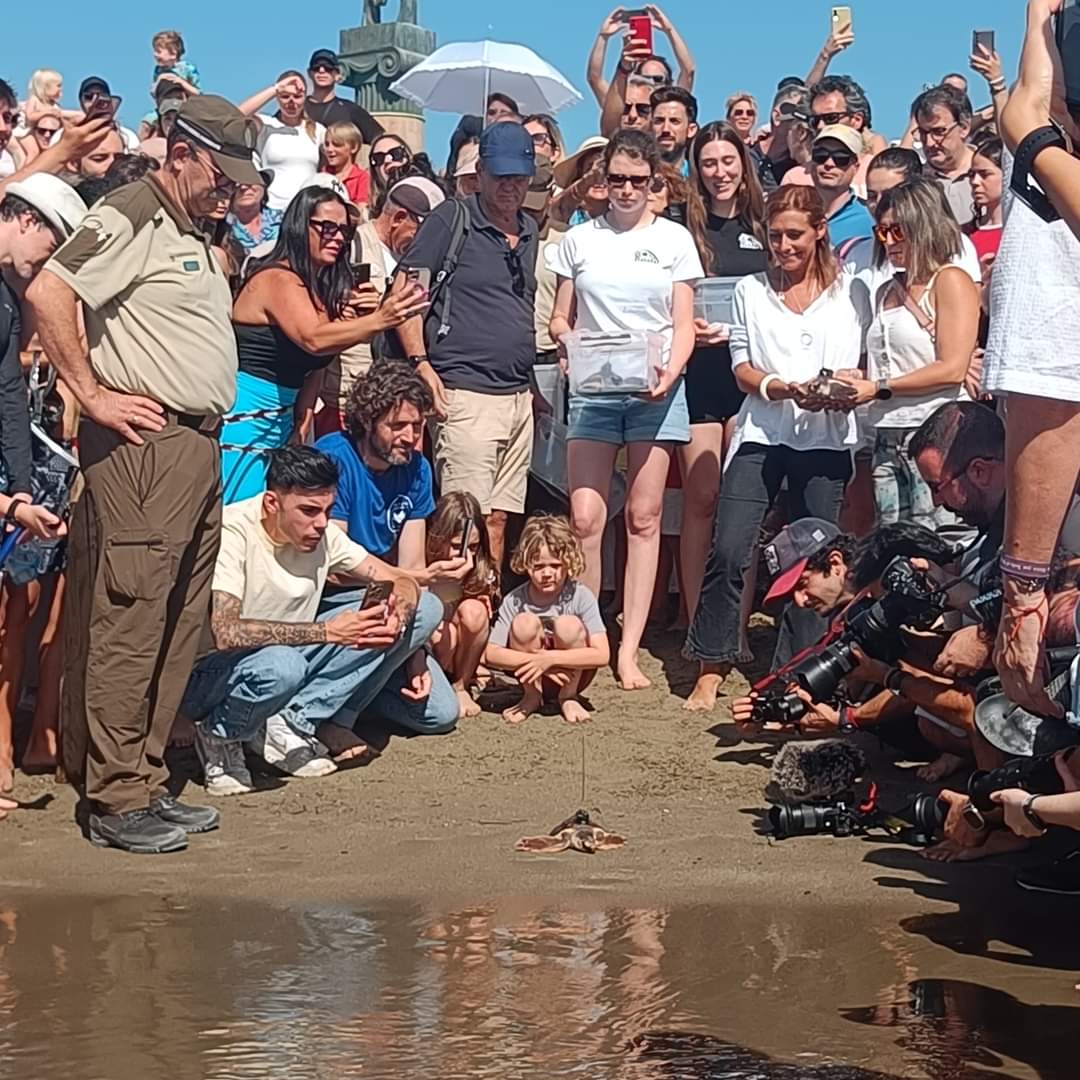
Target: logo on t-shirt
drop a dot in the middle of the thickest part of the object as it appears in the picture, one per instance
(397, 513)
(646, 257)
(749, 243)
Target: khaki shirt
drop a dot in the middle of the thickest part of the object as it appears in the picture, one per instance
(546, 283)
(157, 305)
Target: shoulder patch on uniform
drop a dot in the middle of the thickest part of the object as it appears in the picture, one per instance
(137, 202)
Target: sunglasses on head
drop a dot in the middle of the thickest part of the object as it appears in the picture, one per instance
(328, 229)
(399, 153)
(641, 110)
(828, 119)
(842, 159)
(639, 183)
(889, 233)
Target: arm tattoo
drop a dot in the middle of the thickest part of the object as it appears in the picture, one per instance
(232, 632)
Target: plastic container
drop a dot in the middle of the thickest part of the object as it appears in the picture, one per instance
(713, 299)
(613, 363)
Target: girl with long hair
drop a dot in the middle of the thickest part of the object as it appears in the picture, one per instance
(789, 322)
(726, 216)
(390, 156)
(919, 345)
(289, 140)
(627, 270)
(295, 312)
(987, 183)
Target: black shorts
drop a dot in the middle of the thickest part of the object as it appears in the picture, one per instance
(712, 395)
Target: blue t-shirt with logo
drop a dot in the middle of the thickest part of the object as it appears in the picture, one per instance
(376, 505)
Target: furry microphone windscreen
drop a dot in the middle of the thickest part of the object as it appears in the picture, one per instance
(825, 769)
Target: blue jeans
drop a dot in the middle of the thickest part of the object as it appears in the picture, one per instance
(231, 693)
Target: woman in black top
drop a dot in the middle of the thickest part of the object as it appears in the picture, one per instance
(294, 314)
(726, 214)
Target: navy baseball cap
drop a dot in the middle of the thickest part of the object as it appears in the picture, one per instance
(94, 84)
(507, 149)
(325, 57)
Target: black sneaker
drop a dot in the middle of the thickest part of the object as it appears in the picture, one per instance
(192, 819)
(140, 832)
(1062, 876)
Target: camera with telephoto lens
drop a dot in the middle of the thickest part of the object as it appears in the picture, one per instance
(840, 817)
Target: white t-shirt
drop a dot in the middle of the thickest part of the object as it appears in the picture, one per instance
(7, 164)
(292, 153)
(623, 279)
(860, 262)
(769, 336)
(273, 581)
(1034, 343)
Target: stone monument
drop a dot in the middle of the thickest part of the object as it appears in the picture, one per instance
(376, 53)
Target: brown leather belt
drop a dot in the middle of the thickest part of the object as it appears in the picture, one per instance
(208, 424)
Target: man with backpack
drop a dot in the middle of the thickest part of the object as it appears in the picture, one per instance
(476, 345)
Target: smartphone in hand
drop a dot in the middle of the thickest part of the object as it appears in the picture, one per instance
(841, 20)
(985, 38)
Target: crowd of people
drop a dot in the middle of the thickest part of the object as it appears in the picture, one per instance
(299, 432)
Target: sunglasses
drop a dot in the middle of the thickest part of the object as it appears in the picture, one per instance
(887, 233)
(223, 187)
(517, 272)
(325, 68)
(828, 119)
(641, 110)
(743, 112)
(399, 153)
(48, 132)
(638, 183)
(842, 159)
(327, 230)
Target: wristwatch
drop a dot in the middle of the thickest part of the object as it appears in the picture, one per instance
(882, 393)
(1030, 814)
(892, 680)
(416, 361)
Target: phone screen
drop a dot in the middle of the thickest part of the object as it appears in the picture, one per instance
(361, 273)
(466, 536)
(378, 592)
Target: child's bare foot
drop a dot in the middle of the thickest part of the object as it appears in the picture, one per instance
(7, 770)
(41, 752)
(629, 675)
(938, 769)
(183, 731)
(343, 744)
(573, 712)
(466, 705)
(529, 703)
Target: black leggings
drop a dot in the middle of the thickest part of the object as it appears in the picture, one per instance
(815, 488)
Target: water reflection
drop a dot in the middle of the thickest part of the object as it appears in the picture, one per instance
(143, 986)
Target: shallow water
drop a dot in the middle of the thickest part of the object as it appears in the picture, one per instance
(142, 986)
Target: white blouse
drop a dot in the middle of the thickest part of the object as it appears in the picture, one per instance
(772, 338)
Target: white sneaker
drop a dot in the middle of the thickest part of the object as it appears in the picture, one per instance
(224, 768)
(291, 752)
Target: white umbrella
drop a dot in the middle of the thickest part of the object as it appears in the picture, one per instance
(459, 77)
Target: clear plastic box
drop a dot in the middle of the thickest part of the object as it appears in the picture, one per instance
(713, 299)
(613, 363)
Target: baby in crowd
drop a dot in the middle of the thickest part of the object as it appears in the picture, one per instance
(458, 644)
(168, 48)
(549, 632)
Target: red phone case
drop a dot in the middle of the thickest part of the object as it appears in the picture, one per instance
(641, 29)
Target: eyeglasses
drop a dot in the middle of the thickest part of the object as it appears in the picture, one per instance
(399, 153)
(941, 485)
(743, 112)
(328, 229)
(842, 159)
(938, 134)
(638, 183)
(634, 107)
(887, 233)
(828, 119)
(223, 187)
(542, 138)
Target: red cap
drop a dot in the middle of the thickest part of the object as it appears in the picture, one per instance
(787, 581)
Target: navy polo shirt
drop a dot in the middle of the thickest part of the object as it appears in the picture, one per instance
(491, 344)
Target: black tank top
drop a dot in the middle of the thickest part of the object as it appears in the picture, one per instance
(266, 352)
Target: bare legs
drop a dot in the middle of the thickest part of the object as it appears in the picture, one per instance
(700, 462)
(42, 751)
(460, 649)
(496, 522)
(527, 635)
(17, 607)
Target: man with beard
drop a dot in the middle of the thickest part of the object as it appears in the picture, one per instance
(674, 123)
(384, 490)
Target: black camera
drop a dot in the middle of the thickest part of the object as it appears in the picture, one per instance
(837, 818)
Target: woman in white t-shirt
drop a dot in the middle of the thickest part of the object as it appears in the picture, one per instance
(800, 316)
(919, 345)
(627, 270)
(289, 140)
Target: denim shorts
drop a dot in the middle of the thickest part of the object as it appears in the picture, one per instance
(621, 419)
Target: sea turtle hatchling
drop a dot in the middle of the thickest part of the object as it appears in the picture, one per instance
(577, 832)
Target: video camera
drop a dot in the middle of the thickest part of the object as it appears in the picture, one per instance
(873, 626)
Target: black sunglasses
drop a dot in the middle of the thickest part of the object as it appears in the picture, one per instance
(828, 119)
(327, 230)
(517, 272)
(326, 67)
(639, 183)
(399, 153)
(641, 110)
(842, 159)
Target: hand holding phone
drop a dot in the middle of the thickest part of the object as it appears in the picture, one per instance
(982, 39)
(841, 24)
(641, 31)
(378, 592)
(361, 272)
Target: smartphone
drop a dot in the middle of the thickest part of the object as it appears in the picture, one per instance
(102, 106)
(1067, 36)
(985, 38)
(841, 19)
(378, 592)
(419, 275)
(466, 536)
(361, 273)
(641, 30)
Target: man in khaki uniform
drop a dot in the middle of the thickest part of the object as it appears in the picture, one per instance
(160, 373)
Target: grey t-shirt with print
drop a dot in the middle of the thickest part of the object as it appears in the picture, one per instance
(575, 599)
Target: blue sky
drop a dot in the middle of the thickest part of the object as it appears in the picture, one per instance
(739, 44)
